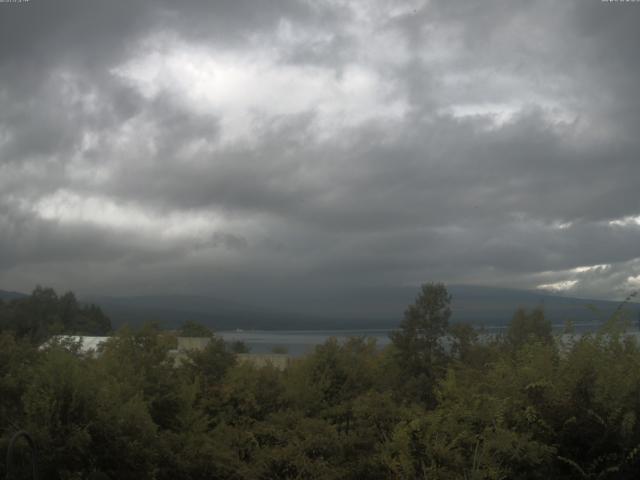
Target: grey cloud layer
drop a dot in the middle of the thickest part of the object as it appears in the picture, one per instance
(512, 148)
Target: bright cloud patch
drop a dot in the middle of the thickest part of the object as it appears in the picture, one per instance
(242, 89)
(631, 220)
(577, 277)
(559, 286)
(591, 268)
(634, 282)
(69, 207)
(498, 113)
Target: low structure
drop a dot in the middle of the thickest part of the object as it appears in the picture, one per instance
(192, 343)
(85, 344)
(279, 361)
(89, 345)
(186, 344)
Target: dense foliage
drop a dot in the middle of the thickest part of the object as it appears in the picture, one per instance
(44, 313)
(525, 405)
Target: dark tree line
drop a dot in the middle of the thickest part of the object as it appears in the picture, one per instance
(524, 405)
(45, 313)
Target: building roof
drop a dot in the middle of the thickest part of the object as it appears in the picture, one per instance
(86, 343)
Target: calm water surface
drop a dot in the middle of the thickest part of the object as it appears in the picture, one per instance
(300, 342)
(297, 342)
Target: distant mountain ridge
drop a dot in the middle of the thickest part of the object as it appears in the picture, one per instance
(362, 308)
(172, 310)
(8, 295)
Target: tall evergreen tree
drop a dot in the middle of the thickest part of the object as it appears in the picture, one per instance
(418, 342)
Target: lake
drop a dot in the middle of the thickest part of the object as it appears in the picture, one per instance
(297, 342)
(301, 342)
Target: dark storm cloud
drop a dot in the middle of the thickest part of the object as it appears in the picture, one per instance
(350, 143)
(27, 239)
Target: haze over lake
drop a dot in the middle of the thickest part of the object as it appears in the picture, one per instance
(300, 342)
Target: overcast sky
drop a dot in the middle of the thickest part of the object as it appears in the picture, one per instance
(271, 147)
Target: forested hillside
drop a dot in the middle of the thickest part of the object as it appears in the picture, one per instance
(359, 308)
(520, 406)
(45, 313)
